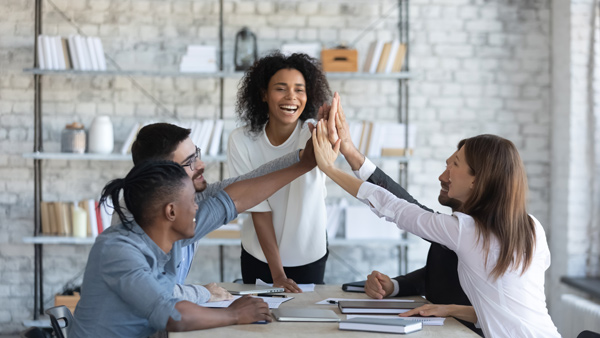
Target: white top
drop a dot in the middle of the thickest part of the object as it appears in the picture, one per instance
(514, 305)
(299, 215)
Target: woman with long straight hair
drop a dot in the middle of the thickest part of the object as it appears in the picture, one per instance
(502, 251)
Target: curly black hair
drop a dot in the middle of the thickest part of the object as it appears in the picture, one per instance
(250, 106)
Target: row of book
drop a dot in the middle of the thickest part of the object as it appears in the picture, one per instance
(73, 52)
(206, 135)
(77, 219)
(376, 139)
(385, 57)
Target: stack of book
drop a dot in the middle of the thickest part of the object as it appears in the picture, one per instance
(375, 139)
(206, 134)
(387, 325)
(58, 218)
(199, 59)
(75, 52)
(385, 57)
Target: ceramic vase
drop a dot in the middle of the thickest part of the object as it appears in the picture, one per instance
(100, 136)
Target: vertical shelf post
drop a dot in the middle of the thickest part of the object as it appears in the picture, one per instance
(38, 298)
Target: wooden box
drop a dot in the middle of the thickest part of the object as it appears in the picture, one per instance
(69, 301)
(339, 60)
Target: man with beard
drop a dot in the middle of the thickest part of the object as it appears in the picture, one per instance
(165, 141)
(438, 279)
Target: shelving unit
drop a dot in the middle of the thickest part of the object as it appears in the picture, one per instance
(38, 155)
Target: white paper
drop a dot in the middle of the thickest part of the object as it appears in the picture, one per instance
(430, 321)
(329, 301)
(273, 302)
(303, 287)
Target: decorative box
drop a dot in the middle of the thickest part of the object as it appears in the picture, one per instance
(339, 60)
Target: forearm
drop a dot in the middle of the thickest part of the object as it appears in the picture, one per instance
(348, 182)
(248, 193)
(197, 294)
(194, 317)
(263, 225)
(464, 312)
(354, 157)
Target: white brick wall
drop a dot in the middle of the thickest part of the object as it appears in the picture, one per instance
(479, 66)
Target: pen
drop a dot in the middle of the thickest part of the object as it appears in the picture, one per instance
(277, 296)
(332, 301)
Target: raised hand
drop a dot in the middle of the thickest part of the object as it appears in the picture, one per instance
(378, 285)
(250, 309)
(217, 293)
(324, 153)
(307, 155)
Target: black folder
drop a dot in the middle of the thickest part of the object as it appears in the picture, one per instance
(354, 286)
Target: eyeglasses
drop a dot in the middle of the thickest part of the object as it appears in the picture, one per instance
(192, 161)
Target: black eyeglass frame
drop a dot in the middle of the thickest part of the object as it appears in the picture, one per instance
(192, 161)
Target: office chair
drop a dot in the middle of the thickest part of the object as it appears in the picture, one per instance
(57, 313)
(588, 334)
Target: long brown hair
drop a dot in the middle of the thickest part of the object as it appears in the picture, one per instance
(498, 200)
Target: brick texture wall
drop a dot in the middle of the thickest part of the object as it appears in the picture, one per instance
(480, 67)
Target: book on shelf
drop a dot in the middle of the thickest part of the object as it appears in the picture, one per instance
(384, 57)
(358, 286)
(381, 307)
(58, 217)
(72, 52)
(387, 325)
(376, 139)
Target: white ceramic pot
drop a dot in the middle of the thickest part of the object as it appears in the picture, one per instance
(100, 136)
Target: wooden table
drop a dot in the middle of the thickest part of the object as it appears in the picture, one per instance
(451, 328)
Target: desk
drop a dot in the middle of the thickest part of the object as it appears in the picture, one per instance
(450, 329)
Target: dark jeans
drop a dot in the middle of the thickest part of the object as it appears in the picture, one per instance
(253, 268)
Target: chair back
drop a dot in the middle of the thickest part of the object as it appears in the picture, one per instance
(588, 334)
(56, 314)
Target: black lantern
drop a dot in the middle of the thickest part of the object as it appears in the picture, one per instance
(245, 53)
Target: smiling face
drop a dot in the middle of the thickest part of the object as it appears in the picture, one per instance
(460, 179)
(184, 154)
(286, 97)
(185, 208)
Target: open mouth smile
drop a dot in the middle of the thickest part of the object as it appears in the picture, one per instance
(289, 109)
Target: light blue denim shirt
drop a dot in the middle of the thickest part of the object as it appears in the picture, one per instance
(127, 288)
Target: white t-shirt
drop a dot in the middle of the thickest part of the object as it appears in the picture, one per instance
(514, 305)
(299, 215)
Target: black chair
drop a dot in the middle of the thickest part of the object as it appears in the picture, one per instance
(34, 332)
(588, 334)
(60, 313)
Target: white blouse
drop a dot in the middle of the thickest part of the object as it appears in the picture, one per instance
(514, 305)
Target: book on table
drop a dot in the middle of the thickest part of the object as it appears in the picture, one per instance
(358, 286)
(370, 306)
(388, 325)
(304, 315)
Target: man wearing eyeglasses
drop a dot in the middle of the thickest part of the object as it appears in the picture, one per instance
(170, 142)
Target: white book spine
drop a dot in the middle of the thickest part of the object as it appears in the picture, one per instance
(40, 52)
(100, 53)
(92, 216)
(206, 135)
(58, 53)
(92, 50)
(376, 56)
(80, 52)
(127, 144)
(73, 53)
(49, 48)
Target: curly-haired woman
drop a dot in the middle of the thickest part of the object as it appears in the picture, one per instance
(284, 241)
